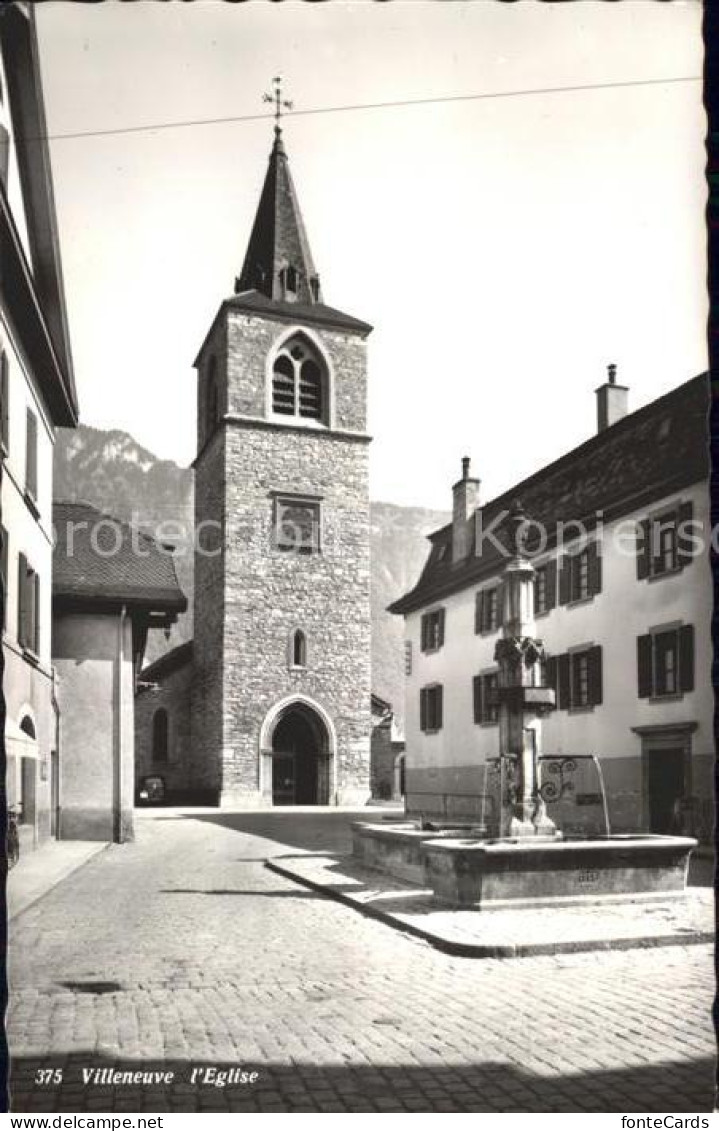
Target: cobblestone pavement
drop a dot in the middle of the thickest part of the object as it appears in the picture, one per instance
(183, 951)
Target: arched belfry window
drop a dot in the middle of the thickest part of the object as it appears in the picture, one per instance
(160, 736)
(299, 382)
(298, 649)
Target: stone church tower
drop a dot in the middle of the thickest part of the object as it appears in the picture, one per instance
(281, 688)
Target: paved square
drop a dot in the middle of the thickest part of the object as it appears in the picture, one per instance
(182, 951)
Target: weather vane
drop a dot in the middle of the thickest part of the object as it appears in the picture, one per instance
(280, 102)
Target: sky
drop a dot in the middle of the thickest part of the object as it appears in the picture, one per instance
(506, 249)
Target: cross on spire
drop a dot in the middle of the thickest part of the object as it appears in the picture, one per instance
(280, 102)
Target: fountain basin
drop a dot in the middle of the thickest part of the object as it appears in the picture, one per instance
(527, 872)
(396, 848)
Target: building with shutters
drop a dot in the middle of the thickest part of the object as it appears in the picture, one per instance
(619, 538)
(37, 395)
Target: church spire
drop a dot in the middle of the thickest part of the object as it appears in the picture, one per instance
(278, 262)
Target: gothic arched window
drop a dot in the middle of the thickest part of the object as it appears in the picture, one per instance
(160, 735)
(299, 386)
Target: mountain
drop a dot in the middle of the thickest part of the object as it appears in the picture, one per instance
(111, 471)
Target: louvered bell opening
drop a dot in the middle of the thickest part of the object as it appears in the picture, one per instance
(310, 391)
(283, 387)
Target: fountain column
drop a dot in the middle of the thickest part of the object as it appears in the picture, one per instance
(522, 698)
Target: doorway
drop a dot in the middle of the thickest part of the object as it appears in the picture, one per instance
(300, 758)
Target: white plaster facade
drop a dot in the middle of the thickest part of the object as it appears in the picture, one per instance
(449, 763)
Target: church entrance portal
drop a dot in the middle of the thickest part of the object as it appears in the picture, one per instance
(300, 758)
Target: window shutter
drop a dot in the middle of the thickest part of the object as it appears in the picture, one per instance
(479, 612)
(644, 666)
(565, 580)
(477, 687)
(550, 672)
(686, 658)
(22, 600)
(644, 550)
(685, 543)
(595, 568)
(594, 671)
(35, 593)
(439, 713)
(440, 630)
(551, 584)
(564, 694)
(423, 632)
(31, 455)
(500, 605)
(5, 394)
(423, 708)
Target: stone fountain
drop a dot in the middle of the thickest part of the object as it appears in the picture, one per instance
(528, 862)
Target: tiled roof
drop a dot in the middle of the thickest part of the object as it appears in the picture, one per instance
(650, 453)
(170, 662)
(100, 559)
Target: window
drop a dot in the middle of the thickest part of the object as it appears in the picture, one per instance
(31, 456)
(299, 649)
(432, 630)
(664, 542)
(665, 662)
(486, 706)
(5, 398)
(545, 588)
(580, 575)
(488, 610)
(160, 736)
(298, 387)
(430, 708)
(4, 574)
(297, 525)
(576, 677)
(28, 633)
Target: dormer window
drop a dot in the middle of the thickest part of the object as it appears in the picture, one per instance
(291, 280)
(298, 388)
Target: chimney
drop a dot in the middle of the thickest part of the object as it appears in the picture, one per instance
(611, 400)
(465, 499)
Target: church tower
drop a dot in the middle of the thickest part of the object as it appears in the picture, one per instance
(281, 694)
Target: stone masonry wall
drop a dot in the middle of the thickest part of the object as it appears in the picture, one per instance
(251, 597)
(174, 696)
(251, 340)
(205, 769)
(270, 593)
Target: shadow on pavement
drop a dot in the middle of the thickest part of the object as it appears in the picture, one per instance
(685, 1086)
(323, 829)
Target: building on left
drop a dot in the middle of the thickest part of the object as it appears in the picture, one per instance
(38, 396)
